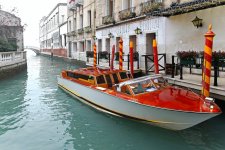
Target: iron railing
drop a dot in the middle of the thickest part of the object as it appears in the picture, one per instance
(150, 6)
(87, 29)
(149, 62)
(80, 31)
(127, 13)
(108, 19)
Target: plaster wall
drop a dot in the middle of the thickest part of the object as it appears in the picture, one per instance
(181, 35)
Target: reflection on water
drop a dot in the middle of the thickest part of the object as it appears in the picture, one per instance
(35, 114)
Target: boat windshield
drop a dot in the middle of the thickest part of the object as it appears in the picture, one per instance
(148, 85)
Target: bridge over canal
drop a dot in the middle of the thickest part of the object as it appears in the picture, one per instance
(33, 48)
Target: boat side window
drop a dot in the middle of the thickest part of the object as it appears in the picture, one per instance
(108, 79)
(143, 87)
(159, 82)
(116, 80)
(100, 79)
(71, 74)
(123, 75)
(85, 77)
(125, 90)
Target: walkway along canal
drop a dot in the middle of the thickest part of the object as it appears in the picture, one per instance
(36, 114)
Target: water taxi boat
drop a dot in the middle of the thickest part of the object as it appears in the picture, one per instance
(148, 99)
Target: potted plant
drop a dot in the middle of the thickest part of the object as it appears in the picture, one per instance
(219, 57)
(103, 55)
(90, 54)
(117, 56)
(136, 56)
(187, 57)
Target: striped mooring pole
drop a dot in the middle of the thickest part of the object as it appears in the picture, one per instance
(120, 54)
(155, 54)
(95, 55)
(207, 62)
(131, 59)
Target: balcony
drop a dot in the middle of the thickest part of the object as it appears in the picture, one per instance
(73, 4)
(150, 6)
(72, 33)
(80, 31)
(108, 19)
(87, 29)
(127, 13)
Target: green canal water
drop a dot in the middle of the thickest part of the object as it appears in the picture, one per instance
(36, 115)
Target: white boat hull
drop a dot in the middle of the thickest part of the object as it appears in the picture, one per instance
(170, 119)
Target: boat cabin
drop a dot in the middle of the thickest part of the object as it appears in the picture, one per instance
(96, 76)
(142, 85)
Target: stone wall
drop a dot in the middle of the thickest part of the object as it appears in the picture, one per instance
(58, 52)
(10, 70)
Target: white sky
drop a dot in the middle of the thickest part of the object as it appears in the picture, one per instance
(30, 12)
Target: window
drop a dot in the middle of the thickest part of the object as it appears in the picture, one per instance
(74, 24)
(100, 79)
(81, 21)
(71, 74)
(57, 15)
(89, 17)
(123, 75)
(13, 44)
(65, 40)
(126, 4)
(125, 90)
(109, 81)
(69, 28)
(62, 18)
(116, 80)
(79, 76)
(54, 20)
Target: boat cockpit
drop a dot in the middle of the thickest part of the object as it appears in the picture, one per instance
(142, 85)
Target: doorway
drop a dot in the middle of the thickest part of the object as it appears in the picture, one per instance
(133, 38)
(88, 45)
(99, 45)
(70, 48)
(117, 44)
(149, 40)
(107, 45)
(81, 46)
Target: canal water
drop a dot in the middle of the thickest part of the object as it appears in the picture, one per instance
(36, 115)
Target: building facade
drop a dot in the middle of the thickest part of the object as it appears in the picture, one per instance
(168, 21)
(11, 32)
(53, 31)
(127, 19)
(81, 28)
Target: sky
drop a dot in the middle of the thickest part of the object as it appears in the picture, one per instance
(30, 12)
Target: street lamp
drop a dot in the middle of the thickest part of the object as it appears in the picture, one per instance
(138, 31)
(94, 37)
(110, 35)
(197, 22)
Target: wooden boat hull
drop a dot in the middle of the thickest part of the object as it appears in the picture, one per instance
(166, 118)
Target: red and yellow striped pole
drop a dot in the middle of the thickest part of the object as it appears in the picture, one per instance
(120, 54)
(207, 62)
(95, 55)
(131, 59)
(155, 54)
